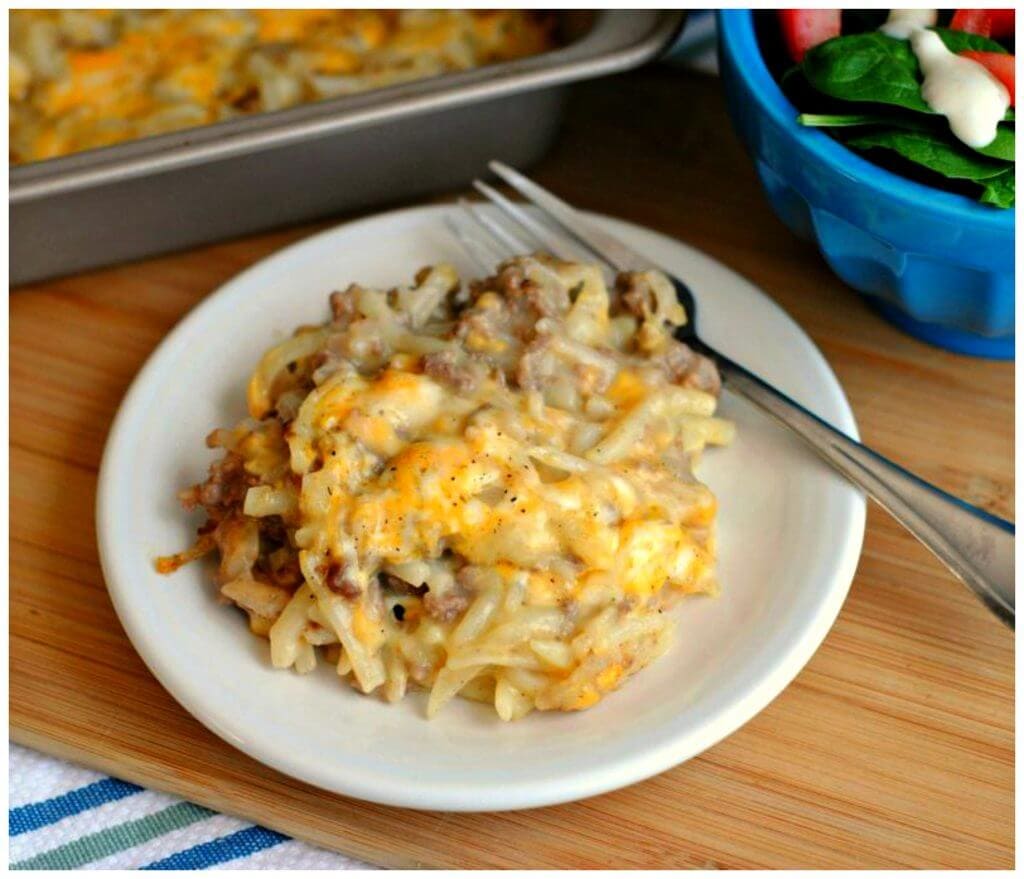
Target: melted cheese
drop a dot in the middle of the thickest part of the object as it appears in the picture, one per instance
(439, 481)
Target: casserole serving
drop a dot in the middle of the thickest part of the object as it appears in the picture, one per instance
(482, 489)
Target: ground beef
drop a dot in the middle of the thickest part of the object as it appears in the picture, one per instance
(445, 607)
(684, 366)
(444, 366)
(675, 360)
(224, 489)
(272, 528)
(510, 280)
(703, 376)
(340, 583)
(635, 294)
(343, 304)
(287, 576)
(543, 301)
(524, 301)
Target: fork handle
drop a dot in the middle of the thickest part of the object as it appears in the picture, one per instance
(974, 545)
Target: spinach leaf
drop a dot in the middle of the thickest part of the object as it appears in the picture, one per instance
(870, 67)
(936, 154)
(1000, 191)
(1002, 147)
(961, 41)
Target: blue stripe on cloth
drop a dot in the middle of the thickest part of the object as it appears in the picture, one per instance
(236, 845)
(24, 819)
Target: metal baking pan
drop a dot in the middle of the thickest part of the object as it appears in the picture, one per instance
(181, 189)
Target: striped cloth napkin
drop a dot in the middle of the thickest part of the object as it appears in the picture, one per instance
(64, 817)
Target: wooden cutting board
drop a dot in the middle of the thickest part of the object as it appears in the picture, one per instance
(893, 748)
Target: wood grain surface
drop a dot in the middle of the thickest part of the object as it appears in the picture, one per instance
(894, 746)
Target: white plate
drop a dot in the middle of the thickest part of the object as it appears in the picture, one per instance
(790, 536)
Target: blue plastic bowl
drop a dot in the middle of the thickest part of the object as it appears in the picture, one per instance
(938, 265)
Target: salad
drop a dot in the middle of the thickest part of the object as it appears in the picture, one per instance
(926, 93)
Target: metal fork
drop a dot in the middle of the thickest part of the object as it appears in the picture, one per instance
(975, 545)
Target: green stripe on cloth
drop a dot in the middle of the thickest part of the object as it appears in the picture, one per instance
(107, 842)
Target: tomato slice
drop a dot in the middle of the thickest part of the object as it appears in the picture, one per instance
(803, 29)
(995, 23)
(1000, 65)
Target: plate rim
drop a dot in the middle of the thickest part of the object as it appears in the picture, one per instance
(463, 797)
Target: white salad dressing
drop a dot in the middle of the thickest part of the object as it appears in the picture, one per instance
(960, 89)
(903, 22)
(963, 91)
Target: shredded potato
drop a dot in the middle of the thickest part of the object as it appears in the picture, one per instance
(484, 491)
